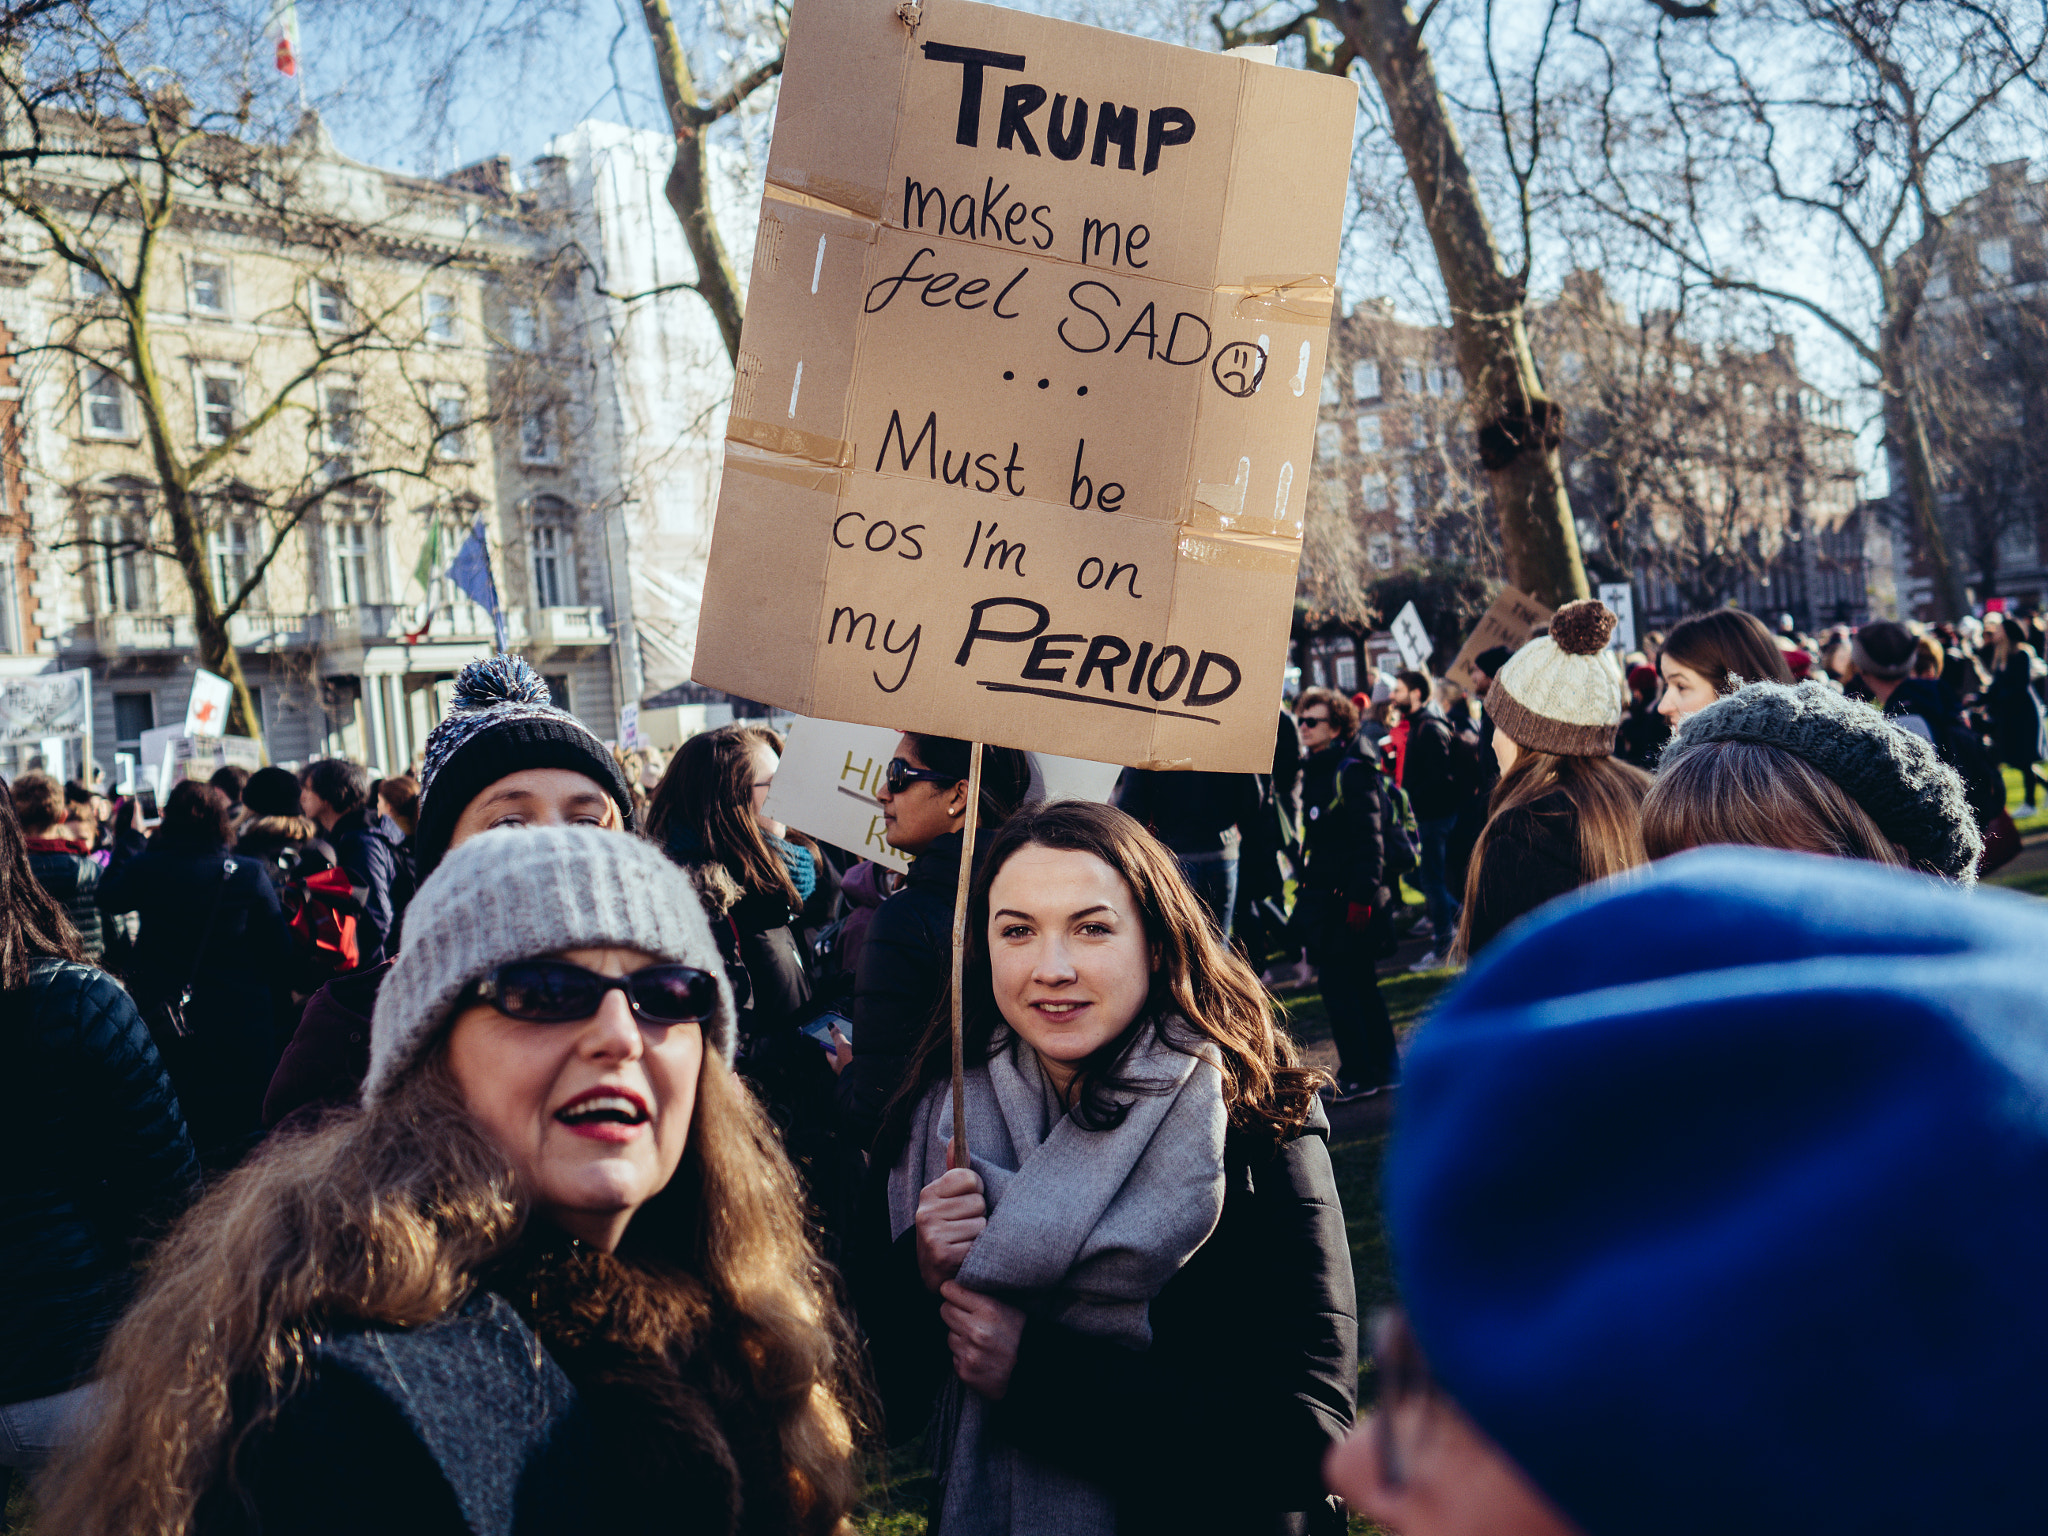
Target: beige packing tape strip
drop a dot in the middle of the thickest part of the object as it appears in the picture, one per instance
(813, 448)
(1246, 552)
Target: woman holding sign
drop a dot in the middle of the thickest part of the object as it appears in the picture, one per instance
(1145, 1261)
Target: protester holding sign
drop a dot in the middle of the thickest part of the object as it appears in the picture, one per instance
(907, 955)
(1566, 812)
(1136, 1306)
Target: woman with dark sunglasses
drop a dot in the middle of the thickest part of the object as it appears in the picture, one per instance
(907, 956)
(554, 1275)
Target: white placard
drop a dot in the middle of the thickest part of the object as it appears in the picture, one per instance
(629, 726)
(1621, 597)
(49, 704)
(206, 712)
(1412, 638)
(825, 784)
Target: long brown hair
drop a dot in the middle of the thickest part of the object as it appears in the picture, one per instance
(32, 926)
(1198, 980)
(1759, 796)
(1727, 644)
(1606, 796)
(389, 1216)
(707, 794)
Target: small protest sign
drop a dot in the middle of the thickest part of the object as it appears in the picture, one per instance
(48, 705)
(826, 782)
(1023, 419)
(629, 727)
(1412, 640)
(206, 713)
(1512, 619)
(1621, 597)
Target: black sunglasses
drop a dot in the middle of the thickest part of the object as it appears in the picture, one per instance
(559, 992)
(899, 776)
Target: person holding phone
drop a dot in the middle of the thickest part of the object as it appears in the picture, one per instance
(1144, 1258)
(553, 1276)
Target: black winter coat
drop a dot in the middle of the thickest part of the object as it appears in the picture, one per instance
(2018, 734)
(1189, 812)
(95, 1157)
(1429, 770)
(73, 880)
(366, 853)
(1531, 856)
(324, 1065)
(1222, 1425)
(1343, 836)
(905, 963)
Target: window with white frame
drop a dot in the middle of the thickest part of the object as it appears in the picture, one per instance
(451, 422)
(538, 442)
(444, 324)
(1411, 376)
(1372, 436)
(1454, 383)
(1331, 394)
(355, 553)
(106, 403)
(1373, 488)
(1994, 259)
(1365, 379)
(522, 328)
(1329, 439)
(1379, 549)
(220, 403)
(232, 551)
(1436, 379)
(329, 305)
(1418, 430)
(341, 418)
(554, 554)
(1404, 498)
(206, 286)
(122, 561)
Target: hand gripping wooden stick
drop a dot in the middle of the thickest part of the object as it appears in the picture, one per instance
(969, 822)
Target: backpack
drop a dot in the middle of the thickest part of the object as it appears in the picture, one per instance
(322, 908)
(1401, 836)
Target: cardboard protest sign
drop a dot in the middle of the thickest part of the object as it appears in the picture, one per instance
(1023, 422)
(50, 704)
(825, 784)
(1512, 619)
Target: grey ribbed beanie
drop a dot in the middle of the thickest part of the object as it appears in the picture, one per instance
(1915, 798)
(515, 894)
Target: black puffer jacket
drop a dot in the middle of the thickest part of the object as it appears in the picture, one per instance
(73, 879)
(905, 963)
(96, 1159)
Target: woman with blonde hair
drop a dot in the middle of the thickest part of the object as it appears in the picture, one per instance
(1143, 1259)
(1566, 811)
(1806, 769)
(552, 1276)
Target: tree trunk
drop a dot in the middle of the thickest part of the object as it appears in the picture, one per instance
(1517, 424)
(687, 193)
(1905, 427)
(217, 652)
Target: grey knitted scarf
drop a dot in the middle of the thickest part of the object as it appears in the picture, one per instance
(1084, 1229)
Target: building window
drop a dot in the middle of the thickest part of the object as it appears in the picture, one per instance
(554, 555)
(1372, 437)
(443, 323)
(355, 556)
(1411, 376)
(1365, 380)
(120, 534)
(1329, 439)
(537, 440)
(106, 403)
(522, 328)
(1937, 283)
(1994, 259)
(220, 401)
(1404, 498)
(1418, 430)
(1436, 379)
(330, 306)
(10, 629)
(1373, 488)
(451, 423)
(134, 713)
(1330, 392)
(88, 284)
(340, 421)
(1379, 548)
(208, 287)
(232, 549)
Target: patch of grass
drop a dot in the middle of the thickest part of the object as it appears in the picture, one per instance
(2034, 882)
(1407, 997)
(2015, 800)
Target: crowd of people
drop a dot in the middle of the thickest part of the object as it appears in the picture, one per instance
(519, 1145)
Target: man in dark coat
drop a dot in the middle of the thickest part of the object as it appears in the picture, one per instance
(1343, 887)
(336, 794)
(1432, 771)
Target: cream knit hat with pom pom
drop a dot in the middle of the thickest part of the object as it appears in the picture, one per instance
(1562, 692)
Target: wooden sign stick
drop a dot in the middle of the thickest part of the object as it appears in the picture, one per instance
(970, 820)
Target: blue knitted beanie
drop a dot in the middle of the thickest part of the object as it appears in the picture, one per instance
(1720, 1201)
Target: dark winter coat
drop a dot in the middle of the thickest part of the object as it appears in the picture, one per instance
(1222, 1425)
(329, 1055)
(97, 1161)
(212, 918)
(367, 854)
(72, 880)
(1437, 786)
(1531, 856)
(1190, 812)
(1343, 835)
(2017, 732)
(904, 966)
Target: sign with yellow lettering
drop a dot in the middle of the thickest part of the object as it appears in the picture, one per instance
(1024, 417)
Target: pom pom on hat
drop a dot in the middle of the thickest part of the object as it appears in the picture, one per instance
(1562, 692)
(500, 680)
(1582, 628)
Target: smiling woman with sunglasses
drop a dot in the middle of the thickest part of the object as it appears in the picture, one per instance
(553, 1276)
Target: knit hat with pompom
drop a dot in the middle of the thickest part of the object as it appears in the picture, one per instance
(1562, 692)
(502, 722)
